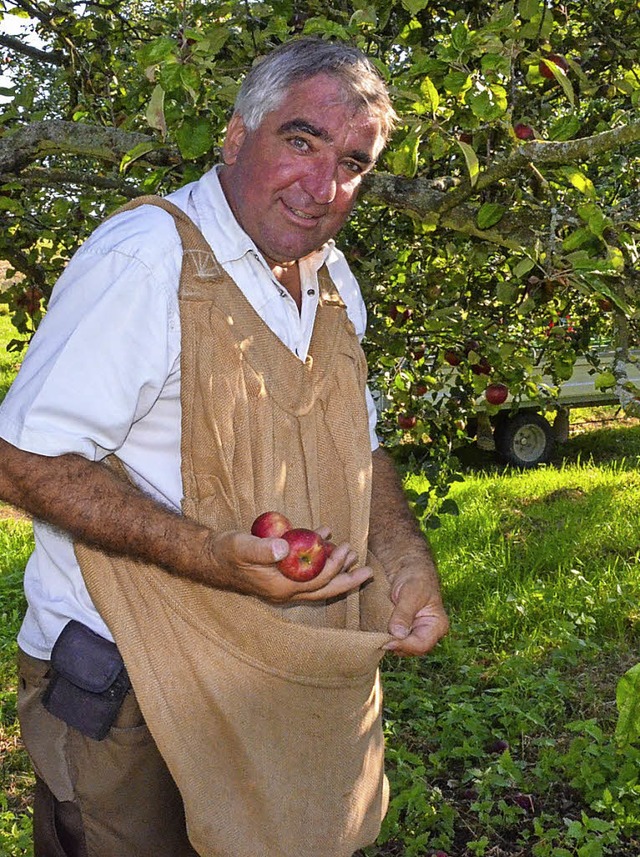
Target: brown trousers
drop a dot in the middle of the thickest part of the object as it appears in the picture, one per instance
(110, 798)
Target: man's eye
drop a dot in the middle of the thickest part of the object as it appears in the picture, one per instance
(299, 143)
(353, 167)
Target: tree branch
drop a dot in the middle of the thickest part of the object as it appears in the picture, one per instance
(53, 178)
(53, 57)
(37, 140)
(540, 152)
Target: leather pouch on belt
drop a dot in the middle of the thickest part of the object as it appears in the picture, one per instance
(88, 682)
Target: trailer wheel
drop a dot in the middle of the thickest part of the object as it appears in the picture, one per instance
(525, 439)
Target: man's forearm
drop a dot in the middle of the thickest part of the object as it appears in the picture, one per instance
(97, 507)
(394, 535)
(418, 620)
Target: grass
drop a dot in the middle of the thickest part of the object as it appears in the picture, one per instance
(502, 742)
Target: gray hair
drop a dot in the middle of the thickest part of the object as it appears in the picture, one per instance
(267, 83)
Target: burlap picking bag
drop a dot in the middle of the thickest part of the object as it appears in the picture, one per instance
(269, 718)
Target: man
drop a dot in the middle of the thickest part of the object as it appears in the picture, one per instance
(103, 376)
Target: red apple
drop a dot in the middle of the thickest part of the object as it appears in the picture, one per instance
(523, 132)
(420, 389)
(554, 59)
(452, 357)
(482, 367)
(270, 525)
(329, 547)
(399, 313)
(407, 421)
(496, 394)
(306, 557)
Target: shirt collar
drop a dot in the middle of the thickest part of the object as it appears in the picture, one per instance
(222, 231)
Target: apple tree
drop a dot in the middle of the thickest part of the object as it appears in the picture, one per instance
(496, 241)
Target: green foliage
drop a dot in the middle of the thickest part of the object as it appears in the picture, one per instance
(507, 738)
(16, 779)
(485, 240)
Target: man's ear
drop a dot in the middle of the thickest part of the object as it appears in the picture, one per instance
(234, 138)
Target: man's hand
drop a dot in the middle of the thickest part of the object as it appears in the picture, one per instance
(419, 619)
(247, 564)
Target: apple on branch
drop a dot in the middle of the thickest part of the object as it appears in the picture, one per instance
(544, 67)
(523, 131)
(407, 421)
(496, 394)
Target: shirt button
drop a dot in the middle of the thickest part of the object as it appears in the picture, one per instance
(311, 291)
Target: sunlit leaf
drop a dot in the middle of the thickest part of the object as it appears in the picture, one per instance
(579, 180)
(628, 702)
(473, 167)
(155, 111)
(135, 153)
(489, 214)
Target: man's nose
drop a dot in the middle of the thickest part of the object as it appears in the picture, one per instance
(320, 181)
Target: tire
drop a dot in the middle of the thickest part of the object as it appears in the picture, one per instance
(525, 439)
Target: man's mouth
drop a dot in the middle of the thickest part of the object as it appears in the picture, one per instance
(303, 215)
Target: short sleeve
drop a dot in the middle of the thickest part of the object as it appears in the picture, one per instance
(104, 350)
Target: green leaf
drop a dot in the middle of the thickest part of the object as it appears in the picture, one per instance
(577, 239)
(578, 179)
(414, 6)
(523, 267)
(325, 27)
(489, 214)
(157, 51)
(506, 292)
(457, 82)
(562, 79)
(8, 204)
(628, 702)
(487, 103)
(135, 153)
(449, 507)
(155, 111)
(364, 17)
(195, 137)
(564, 128)
(404, 159)
(471, 158)
(430, 93)
(460, 37)
(529, 8)
(605, 380)
(214, 42)
(501, 19)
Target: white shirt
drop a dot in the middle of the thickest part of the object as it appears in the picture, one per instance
(102, 374)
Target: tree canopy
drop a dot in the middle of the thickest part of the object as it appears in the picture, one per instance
(500, 227)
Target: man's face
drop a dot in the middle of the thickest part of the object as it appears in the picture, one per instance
(293, 181)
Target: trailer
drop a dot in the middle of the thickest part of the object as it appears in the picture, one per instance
(523, 435)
